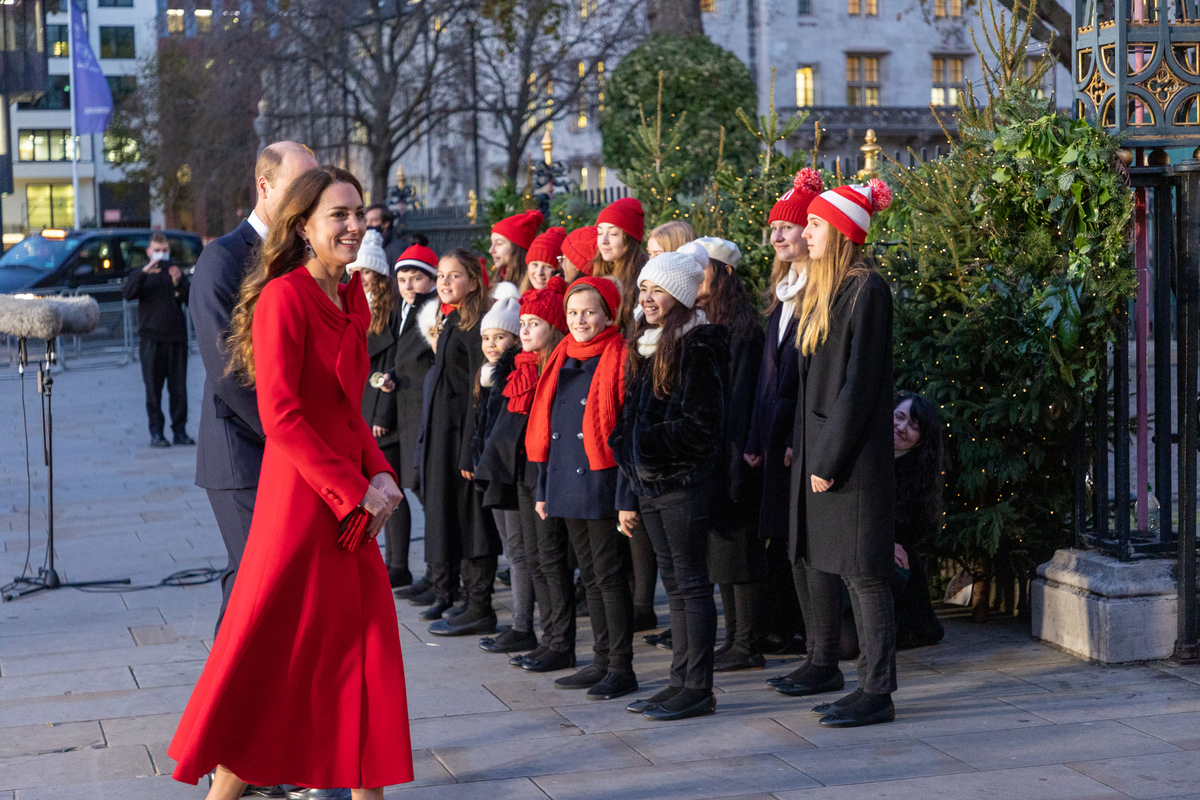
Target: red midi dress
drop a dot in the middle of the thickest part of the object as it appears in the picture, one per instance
(305, 681)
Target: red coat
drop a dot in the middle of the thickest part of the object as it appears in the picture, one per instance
(305, 682)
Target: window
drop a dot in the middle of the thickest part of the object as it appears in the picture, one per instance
(857, 8)
(117, 42)
(587, 8)
(121, 86)
(116, 3)
(948, 84)
(45, 145)
(57, 43)
(581, 120)
(56, 98)
(1047, 82)
(947, 8)
(204, 21)
(174, 21)
(804, 87)
(50, 205)
(708, 6)
(805, 8)
(862, 80)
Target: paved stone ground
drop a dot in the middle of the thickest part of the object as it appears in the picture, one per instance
(91, 685)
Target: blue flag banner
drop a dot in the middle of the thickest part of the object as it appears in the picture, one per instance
(91, 99)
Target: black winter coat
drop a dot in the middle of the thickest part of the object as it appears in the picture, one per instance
(413, 358)
(664, 446)
(774, 415)
(735, 552)
(160, 304)
(456, 524)
(378, 406)
(498, 449)
(843, 432)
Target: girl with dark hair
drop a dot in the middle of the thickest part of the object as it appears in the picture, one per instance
(292, 649)
(666, 444)
(843, 505)
(510, 242)
(919, 452)
(578, 400)
(457, 528)
(737, 556)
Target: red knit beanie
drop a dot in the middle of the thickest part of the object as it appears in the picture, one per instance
(547, 247)
(793, 206)
(626, 214)
(580, 248)
(547, 303)
(418, 256)
(520, 229)
(607, 289)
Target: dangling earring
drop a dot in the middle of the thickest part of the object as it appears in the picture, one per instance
(308, 251)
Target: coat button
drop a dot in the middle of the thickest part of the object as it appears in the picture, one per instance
(579, 435)
(554, 436)
(580, 471)
(583, 402)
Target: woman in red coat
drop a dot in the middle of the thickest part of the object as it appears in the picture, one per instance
(310, 646)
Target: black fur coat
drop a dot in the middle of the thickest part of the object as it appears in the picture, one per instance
(666, 445)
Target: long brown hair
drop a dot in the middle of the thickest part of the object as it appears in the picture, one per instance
(516, 272)
(842, 259)
(727, 303)
(626, 271)
(665, 362)
(283, 252)
(475, 304)
(384, 297)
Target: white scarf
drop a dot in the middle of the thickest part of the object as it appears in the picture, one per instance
(647, 343)
(487, 375)
(787, 290)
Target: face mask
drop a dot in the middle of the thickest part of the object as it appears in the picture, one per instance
(159, 256)
(376, 228)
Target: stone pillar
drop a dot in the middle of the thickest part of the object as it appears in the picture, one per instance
(1106, 610)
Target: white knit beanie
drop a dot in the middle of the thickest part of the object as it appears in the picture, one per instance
(370, 255)
(696, 251)
(678, 273)
(722, 250)
(505, 313)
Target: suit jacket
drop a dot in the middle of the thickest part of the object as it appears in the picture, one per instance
(774, 415)
(843, 433)
(230, 448)
(414, 357)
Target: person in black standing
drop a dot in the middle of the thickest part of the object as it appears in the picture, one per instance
(161, 291)
(666, 444)
(379, 218)
(230, 451)
(416, 277)
(842, 494)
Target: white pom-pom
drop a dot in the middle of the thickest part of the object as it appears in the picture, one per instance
(506, 290)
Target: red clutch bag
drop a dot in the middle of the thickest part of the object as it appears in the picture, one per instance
(353, 529)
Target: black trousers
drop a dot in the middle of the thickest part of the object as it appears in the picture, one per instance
(397, 531)
(165, 361)
(234, 510)
(780, 611)
(645, 568)
(547, 557)
(603, 555)
(677, 523)
(479, 578)
(874, 618)
(742, 603)
(445, 577)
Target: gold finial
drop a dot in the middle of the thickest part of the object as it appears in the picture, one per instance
(870, 152)
(548, 145)
(400, 176)
(472, 206)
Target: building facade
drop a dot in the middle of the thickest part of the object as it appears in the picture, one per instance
(121, 34)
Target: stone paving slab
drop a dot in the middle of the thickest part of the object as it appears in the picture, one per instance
(1182, 730)
(1035, 783)
(145, 788)
(548, 756)
(38, 739)
(68, 769)
(1148, 777)
(874, 763)
(723, 738)
(66, 683)
(1135, 700)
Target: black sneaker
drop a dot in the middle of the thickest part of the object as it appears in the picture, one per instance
(184, 439)
(158, 440)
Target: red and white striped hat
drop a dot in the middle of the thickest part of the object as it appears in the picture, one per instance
(849, 208)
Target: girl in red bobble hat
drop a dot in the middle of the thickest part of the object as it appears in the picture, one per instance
(511, 239)
(541, 262)
(620, 229)
(843, 531)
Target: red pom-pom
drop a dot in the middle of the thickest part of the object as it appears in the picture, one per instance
(881, 194)
(809, 180)
(556, 285)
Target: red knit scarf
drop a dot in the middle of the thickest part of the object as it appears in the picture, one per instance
(521, 383)
(448, 309)
(604, 399)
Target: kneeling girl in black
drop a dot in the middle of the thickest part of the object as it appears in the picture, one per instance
(666, 445)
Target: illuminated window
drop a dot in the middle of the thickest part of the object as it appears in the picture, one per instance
(804, 87)
(948, 82)
(600, 87)
(45, 145)
(175, 21)
(857, 8)
(203, 21)
(581, 120)
(50, 205)
(947, 8)
(862, 80)
(57, 43)
(583, 173)
(708, 6)
(587, 8)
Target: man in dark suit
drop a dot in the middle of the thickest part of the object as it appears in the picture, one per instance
(161, 291)
(229, 456)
